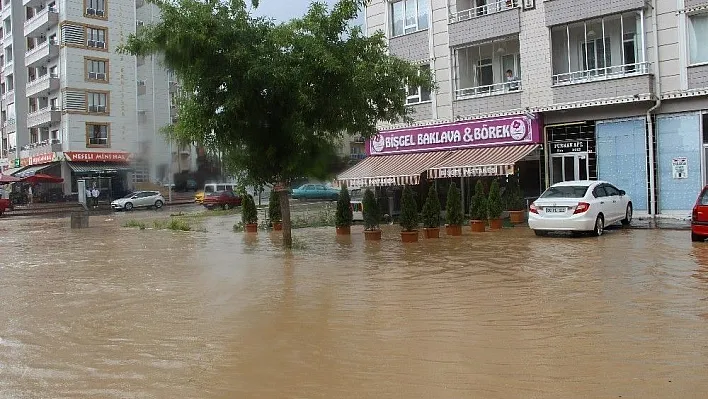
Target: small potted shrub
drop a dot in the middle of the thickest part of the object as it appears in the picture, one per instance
(249, 214)
(372, 216)
(431, 214)
(344, 215)
(495, 207)
(478, 208)
(274, 213)
(453, 212)
(515, 203)
(409, 216)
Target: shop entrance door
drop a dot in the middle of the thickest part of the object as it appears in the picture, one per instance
(566, 167)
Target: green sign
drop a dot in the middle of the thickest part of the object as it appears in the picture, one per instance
(17, 162)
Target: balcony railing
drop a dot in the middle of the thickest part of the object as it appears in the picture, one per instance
(40, 22)
(98, 141)
(40, 144)
(44, 116)
(48, 49)
(46, 83)
(356, 156)
(488, 90)
(611, 72)
(491, 8)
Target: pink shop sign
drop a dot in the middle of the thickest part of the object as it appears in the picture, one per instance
(509, 130)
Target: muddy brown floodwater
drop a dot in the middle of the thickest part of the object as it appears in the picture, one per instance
(112, 312)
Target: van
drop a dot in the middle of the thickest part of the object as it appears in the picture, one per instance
(214, 187)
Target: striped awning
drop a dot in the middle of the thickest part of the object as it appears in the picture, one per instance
(493, 161)
(32, 170)
(391, 170)
(98, 167)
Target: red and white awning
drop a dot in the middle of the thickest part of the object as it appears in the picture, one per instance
(473, 162)
(390, 170)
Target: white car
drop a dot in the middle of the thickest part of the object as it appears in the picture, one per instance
(580, 206)
(139, 199)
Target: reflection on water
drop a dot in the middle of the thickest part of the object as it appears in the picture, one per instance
(114, 312)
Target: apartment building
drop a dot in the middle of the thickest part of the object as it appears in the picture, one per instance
(550, 90)
(73, 107)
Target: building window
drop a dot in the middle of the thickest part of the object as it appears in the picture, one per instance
(10, 82)
(468, 9)
(8, 55)
(416, 95)
(409, 16)
(97, 135)
(488, 68)
(97, 69)
(97, 102)
(697, 34)
(608, 47)
(96, 38)
(95, 8)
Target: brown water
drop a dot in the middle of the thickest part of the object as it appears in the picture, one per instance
(111, 312)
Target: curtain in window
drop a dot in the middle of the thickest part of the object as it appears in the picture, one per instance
(698, 36)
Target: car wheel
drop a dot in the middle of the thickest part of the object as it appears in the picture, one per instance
(540, 233)
(128, 206)
(627, 216)
(599, 226)
(158, 204)
(697, 238)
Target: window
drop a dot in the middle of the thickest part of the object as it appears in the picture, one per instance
(97, 135)
(10, 82)
(54, 104)
(415, 95)
(612, 46)
(8, 54)
(95, 8)
(96, 37)
(97, 102)
(54, 72)
(408, 16)
(565, 192)
(488, 68)
(697, 37)
(97, 69)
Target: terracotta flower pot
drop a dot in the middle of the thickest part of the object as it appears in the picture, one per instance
(453, 230)
(431, 232)
(252, 228)
(495, 224)
(409, 236)
(344, 230)
(277, 226)
(516, 217)
(477, 226)
(372, 235)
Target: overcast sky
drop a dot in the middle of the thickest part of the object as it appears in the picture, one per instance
(283, 10)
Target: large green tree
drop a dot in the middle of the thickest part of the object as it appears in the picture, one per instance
(276, 98)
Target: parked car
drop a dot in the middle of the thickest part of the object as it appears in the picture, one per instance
(699, 217)
(139, 199)
(580, 206)
(315, 191)
(212, 188)
(225, 199)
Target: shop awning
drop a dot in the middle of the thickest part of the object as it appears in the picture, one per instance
(12, 171)
(391, 170)
(493, 161)
(98, 167)
(32, 170)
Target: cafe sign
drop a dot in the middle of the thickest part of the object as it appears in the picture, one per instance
(566, 147)
(511, 130)
(94, 156)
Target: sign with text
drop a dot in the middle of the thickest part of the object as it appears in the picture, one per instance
(519, 129)
(679, 168)
(569, 147)
(95, 156)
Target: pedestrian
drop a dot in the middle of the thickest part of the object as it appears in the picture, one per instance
(95, 193)
(29, 194)
(89, 200)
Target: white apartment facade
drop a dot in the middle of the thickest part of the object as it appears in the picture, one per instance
(72, 106)
(612, 89)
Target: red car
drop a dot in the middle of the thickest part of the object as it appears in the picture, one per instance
(699, 219)
(5, 204)
(224, 199)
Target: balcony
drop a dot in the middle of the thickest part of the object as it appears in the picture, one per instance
(483, 20)
(489, 68)
(10, 126)
(43, 85)
(44, 117)
(40, 23)
(9, 96)
(31, 3)
(42, 147)
(41, 54)
(566, 11)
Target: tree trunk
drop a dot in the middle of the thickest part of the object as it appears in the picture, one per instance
(285, 213)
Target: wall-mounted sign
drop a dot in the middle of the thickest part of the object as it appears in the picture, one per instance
(679, 168)
(95, 156)
(565, 147)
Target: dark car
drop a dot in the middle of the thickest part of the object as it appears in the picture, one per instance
(699, 218)
(222, 199)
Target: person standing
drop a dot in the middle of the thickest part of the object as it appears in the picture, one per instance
(95, 193)
(29, 194)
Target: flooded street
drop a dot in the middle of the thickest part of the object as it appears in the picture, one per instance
(115, 312)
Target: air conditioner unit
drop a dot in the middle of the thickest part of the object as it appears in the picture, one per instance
(90, 11)
(91, 43)
(93, 75)
(93, 108)
(101, 76)
(100, 13)
(101, 108)
(101, 44)
(141, 83)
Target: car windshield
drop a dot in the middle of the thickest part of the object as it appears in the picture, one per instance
(565, 192)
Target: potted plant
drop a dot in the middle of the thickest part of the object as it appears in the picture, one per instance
(249, 214)
(409, 216)
(274, 213)
(495, 207)
(372, 216)
(515, 203)
(453, 212)
(478, 208)
(344, 215)
(431, 214)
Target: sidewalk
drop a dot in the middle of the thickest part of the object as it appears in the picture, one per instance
(667, 222)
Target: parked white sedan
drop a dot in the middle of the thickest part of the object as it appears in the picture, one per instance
(580, 206)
